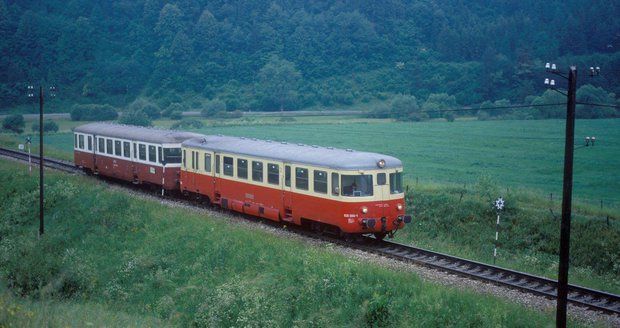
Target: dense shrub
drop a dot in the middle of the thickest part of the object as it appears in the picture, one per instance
(14, 123)
(213, 107)
(48, 126)
(176, 115)
(93, 112)
(174, 107)
(135, 118)
(153, 111)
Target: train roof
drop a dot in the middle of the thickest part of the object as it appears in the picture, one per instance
(334, 158)
(137, 133)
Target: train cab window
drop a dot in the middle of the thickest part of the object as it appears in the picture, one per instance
(287, 175)
(101, 147)
(335, 184)
(172, 155)
(126, 149)
(357, 185)
(109, 146)
(320, 181)
(142, 152)
(257, 171)
(381, 179)
(229, 166)
(81, 141)
(184, 159)
(396, 183)
(152, 154)
(90, 143)
(242, 168)
(117, 148)
(273, 173)
(301, 178)
(207, 162)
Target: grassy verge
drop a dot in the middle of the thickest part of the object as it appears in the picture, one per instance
(460, 221)
(116, 259)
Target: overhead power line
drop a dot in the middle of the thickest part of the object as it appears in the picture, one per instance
(462, 109)
(598, 105)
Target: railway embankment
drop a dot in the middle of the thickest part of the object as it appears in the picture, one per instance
(122, 259)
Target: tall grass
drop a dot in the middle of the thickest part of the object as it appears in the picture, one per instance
(112, 259)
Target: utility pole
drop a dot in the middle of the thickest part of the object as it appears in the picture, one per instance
(30, 89)
(567, 194)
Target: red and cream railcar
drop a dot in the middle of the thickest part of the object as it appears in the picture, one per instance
(340, 190)
(137, 154)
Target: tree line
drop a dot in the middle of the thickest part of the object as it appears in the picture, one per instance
(287, 55)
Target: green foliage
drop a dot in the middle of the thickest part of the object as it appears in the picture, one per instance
(278, 81)
(176, 115)
(93, 112)
(14, 123)
(48, 126)
(436, 104)
(138, 118)
(213, 107)
(172, 108)
(595, 95)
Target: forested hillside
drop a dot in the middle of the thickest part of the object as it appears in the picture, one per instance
(272, 55)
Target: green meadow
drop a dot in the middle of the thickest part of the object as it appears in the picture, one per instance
(455, 169)
(110, 259)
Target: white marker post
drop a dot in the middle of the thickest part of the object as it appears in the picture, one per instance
(499, 205)
(29, 141)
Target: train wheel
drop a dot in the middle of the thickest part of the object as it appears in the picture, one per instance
(379, 235)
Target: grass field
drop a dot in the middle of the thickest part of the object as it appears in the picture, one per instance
(109, 259)
(517, 154)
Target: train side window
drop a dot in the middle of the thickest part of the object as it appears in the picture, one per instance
(101, 147)
(117, 147)
(90, 143)
(229, 166)
(301, 178)
(320, 181)
(184, 160)
(172, 155)
(208, 162)
(273, 173)
(135, 150)
(335, 184)
(160, 156)
(217, 164)
(193, 160)
(142, 152)
(152, 154)
(257, 171)
(242, 168)
(287, 175)
(381, 179)
(81, 140)
(126, 149)
(109, 149)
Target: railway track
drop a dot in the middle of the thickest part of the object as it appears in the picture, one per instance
(578, 295)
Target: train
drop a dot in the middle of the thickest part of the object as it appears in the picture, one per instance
(338, 191)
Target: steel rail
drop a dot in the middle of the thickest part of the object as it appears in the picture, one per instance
(533, 284)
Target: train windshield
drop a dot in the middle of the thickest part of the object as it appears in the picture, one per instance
(172, 155)
(357, 185)
(396, 183)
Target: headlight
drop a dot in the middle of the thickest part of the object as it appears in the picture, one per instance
(364, 209)
(399, 206)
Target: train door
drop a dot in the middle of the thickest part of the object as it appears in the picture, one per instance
(383, 191)
(217, 175)
(209, 181)
(287, 194)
